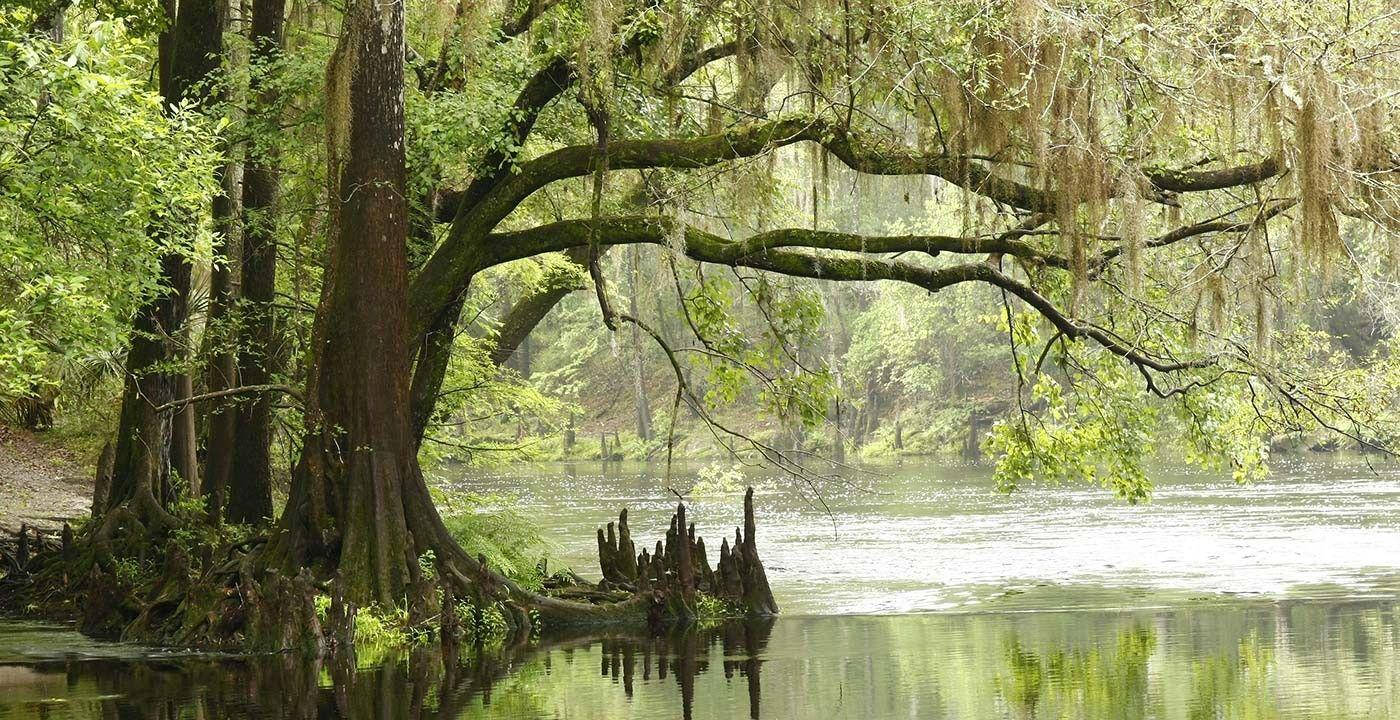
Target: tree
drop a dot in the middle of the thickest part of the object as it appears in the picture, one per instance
(1048, 187)
(359, 454)
(189, 55)
(91, 156)
(250, 491)
(1046, 272)
(359, 508)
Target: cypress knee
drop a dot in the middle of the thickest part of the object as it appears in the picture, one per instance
(758, 596)
(626, 551)
(685, 573)
(103, 483)
(705, 577)
(604, 556)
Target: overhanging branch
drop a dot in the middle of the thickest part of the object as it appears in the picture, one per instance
(765, 255)
(458, 256)
(547, 84)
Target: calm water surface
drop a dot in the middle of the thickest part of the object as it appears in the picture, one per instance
(917, 593)
(922, 539)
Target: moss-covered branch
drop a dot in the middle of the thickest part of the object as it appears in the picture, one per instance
(1201, 180)
(449, 268)
(761, 252)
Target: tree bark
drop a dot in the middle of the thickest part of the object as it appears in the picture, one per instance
(142, 457)
(250, 491)
(434, 354)
(184, 450)
(220, 375)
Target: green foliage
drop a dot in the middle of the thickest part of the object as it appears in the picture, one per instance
(760, 355)
(711, 611)
(381, 627)
(933, 360)
(1096, 435)
(484, 625)
(380, 633)
(144, 19)
(98, 181)
(195, 534)
(718, 479)
(484, 413)
(487, 526)
(130, 572)
(93, 172)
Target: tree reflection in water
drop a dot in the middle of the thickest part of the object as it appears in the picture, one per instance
(684, 654)
(1317, 659)
(425, 683)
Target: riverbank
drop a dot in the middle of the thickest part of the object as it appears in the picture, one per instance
(39, 484)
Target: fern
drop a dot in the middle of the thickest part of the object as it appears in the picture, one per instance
(486, 526)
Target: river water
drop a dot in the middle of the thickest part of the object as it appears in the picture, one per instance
(913, 592)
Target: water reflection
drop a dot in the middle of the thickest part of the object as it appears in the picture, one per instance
(1303, 659)
(679, 656)
(422, 684)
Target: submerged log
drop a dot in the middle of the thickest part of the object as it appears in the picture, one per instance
(678, 567)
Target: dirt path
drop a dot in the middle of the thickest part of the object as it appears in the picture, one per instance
(38, 485)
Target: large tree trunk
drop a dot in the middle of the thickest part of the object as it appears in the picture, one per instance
(359, 510)
(220, 375)
(156, 321)
(250, 491)
(189, 54)
(360, 453)
(219, 337)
